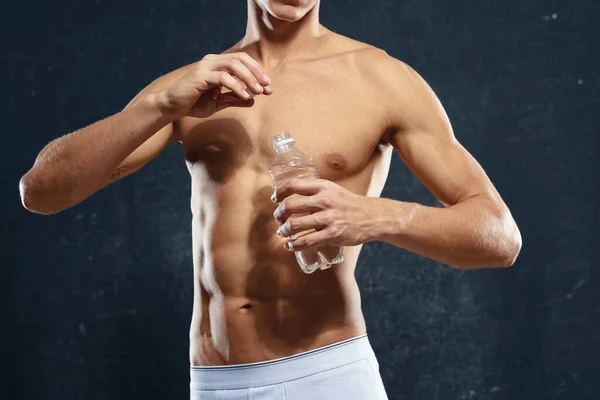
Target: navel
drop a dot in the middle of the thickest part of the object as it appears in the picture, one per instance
(246, 308)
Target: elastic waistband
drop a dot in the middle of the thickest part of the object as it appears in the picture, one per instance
(282, 369)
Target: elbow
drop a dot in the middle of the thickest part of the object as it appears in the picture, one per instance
(496, 250)
(515, 243)
(31, 198)
(509, 245)
(27, 198)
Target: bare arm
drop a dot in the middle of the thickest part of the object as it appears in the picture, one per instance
(74, 166)
(475, 228)
(71, 168)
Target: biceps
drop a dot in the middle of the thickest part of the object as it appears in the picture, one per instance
(443, 165)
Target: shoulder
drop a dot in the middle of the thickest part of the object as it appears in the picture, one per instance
(353, 52)
(402, 91)
(385, 71)
(380, 71)
(372, 63)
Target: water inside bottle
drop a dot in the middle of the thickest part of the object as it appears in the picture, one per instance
(311, 259)
(281, 173)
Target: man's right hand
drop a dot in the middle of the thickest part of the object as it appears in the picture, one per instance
(74, 166)
(198, 94)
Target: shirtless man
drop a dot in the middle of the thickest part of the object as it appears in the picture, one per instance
(347, 104)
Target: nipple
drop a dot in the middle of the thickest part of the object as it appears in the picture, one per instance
(336, 161)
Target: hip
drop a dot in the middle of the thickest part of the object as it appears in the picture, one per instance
(343, 370)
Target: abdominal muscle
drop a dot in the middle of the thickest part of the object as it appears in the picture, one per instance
(240, 330)
(252, 302)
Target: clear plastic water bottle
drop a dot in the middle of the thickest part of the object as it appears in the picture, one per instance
(288, 163)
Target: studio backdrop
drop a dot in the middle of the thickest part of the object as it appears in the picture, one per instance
(96, 300)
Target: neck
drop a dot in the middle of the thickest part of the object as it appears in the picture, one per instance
(276, 40)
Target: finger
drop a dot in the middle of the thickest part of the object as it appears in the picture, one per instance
(295, 225)
(213, 92)
(232, 100)
(236, 68)
(254, 67)
(225, 79)
(306, 187)
(296, 205)
(314, 239)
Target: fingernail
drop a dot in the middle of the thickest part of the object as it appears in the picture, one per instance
(248, 94)
(284, 229)
(277, 212)
(258, 87)
(266, 77)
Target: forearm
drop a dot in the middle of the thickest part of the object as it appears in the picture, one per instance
(76, 165)
(475, 233)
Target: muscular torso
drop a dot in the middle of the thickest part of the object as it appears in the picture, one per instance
(252, 302)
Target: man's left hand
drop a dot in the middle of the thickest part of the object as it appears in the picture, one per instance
(340, 217)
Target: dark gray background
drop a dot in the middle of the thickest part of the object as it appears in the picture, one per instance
(96, 300)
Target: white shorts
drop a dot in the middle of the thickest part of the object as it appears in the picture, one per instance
(347, 370)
